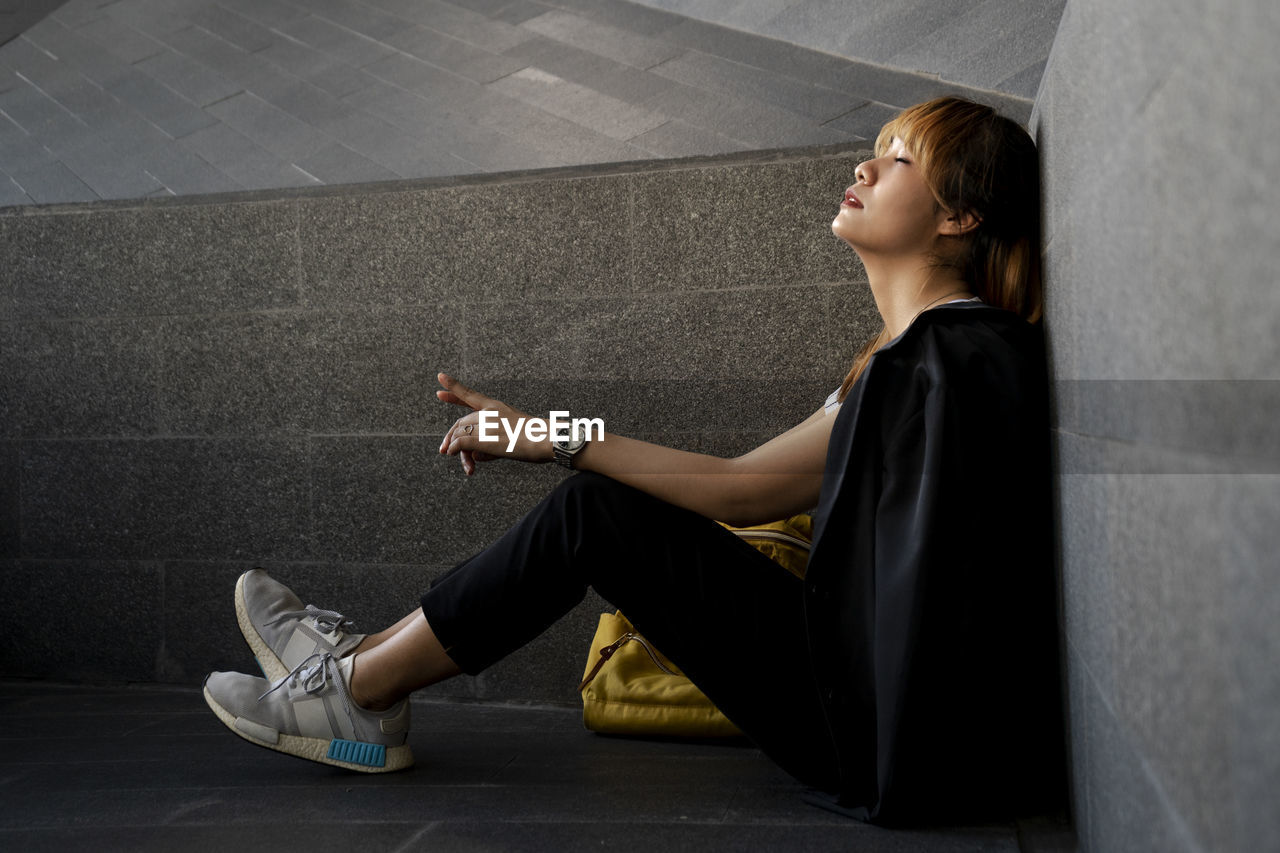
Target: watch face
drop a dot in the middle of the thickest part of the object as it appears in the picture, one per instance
(572, 445)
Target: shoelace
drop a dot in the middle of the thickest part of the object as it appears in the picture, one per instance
(314, 678)
(327, 621)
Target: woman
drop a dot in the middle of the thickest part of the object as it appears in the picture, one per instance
(912, 672)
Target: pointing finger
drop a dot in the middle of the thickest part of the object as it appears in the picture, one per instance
(457, 393)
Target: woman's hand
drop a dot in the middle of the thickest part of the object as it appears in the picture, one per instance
(497, 423)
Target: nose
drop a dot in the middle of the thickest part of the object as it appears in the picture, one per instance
(864, 173)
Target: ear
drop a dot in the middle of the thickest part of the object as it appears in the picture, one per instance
(957, 224)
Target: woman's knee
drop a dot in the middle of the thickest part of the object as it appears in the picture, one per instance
(589, 494)
(587, 483)
(608, 527)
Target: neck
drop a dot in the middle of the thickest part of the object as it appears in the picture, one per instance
(903, 292)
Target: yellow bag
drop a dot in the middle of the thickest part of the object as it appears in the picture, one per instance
(785, 542)
(631, 688)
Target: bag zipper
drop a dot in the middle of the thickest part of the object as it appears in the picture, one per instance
(607, 652)
(776, 535)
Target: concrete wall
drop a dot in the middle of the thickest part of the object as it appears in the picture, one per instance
(1157, 127)
(1000, 45)
(191, 388)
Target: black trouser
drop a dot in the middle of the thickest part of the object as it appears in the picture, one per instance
(728, 616)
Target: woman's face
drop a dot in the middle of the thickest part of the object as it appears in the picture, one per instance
(890, 210)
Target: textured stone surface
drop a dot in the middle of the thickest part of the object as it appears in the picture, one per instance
(674, 406)
(164, 498)
(10, 377)
(151, 260)
(1161, 332)
(979, 44)
(85, 378)
(472, 243)
(134, 99)
(396, 499)
(1224, 421)
(1251, 599)
(9, 499)
(373, 596)
(1126, 811)
(94, 620)
(738, 228)
(672, 337)
(1169, 626)
(358, 370)
(196, 388)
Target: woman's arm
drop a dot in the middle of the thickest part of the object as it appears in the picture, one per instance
(781, 477)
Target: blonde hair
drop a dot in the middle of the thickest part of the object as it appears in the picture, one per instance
(980, 163)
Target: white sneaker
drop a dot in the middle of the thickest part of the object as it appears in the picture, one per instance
(309, 713)
(283, 633)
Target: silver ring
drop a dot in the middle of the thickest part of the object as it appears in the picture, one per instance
(467, 429)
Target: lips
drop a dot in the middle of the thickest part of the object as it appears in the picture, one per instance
(850, 200)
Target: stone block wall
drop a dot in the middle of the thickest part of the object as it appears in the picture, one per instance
(189, 388)
(1157, 130)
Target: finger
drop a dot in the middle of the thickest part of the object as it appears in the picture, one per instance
(456, 392)
(450, 397)
(463, 429)
(468, 462)
(447, 442)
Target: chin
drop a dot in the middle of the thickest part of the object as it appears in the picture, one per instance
(836, 230)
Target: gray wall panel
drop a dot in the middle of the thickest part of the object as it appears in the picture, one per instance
(104, 261)
(90, 620)
(1161, 318)
(194, 387)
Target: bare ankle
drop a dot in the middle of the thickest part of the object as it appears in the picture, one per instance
(361, 694)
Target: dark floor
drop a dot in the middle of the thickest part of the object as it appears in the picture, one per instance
(146, 768)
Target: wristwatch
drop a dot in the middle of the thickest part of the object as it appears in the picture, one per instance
(566, 449)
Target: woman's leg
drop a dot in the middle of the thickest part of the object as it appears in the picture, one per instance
(404, 658)
(372, 641)
(729, 617)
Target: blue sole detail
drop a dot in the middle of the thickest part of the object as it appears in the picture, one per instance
(357, 752)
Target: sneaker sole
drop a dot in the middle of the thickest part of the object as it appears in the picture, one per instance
(320, 750)
(271, 665)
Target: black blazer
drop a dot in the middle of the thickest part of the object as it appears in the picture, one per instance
(930, 593)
